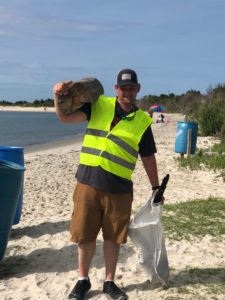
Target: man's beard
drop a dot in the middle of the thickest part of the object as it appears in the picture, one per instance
(128, 100)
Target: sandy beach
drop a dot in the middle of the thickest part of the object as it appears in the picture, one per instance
(21, 108)
(41, 263)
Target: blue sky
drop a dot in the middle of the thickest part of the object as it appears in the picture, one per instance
(174, 45)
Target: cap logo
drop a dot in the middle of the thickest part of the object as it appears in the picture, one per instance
(126, 76)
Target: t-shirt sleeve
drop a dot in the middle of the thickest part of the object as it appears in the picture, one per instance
(86, 108)
(147, 143)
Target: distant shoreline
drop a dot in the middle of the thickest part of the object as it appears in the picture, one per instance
(27, 109)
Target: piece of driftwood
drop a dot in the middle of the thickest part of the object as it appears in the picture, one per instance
(87, 89)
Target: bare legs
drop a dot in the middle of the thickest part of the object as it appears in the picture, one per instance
(86, 252)
(111, 253)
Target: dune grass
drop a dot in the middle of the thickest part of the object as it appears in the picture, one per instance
(195, 218)
(213, 159)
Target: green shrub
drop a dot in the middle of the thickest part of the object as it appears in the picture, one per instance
(223, 129)
(211, 117)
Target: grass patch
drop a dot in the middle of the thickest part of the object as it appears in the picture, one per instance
(220, 148)
(194, 219)
(213, 159)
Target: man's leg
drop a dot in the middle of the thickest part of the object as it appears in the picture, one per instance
(83, 285)
(84, 228)
(111, 253)
(85, 255)
(115, 227)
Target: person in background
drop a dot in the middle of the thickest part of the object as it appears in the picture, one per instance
(160, 118)
(117, 132)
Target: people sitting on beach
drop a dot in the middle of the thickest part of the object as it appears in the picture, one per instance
(160, 119)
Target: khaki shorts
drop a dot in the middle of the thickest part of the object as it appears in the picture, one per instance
(96, 209)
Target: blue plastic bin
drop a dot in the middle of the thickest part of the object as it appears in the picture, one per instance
(16, 155)
(11, 181)
(181, 143)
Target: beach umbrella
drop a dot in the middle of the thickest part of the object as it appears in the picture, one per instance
(157, 108)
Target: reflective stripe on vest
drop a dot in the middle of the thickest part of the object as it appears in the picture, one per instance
(109, 156)
(113, 138)
(116, 151)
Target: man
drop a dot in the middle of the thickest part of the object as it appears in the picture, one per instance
(117, 132)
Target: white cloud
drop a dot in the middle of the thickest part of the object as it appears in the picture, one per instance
(29, 25)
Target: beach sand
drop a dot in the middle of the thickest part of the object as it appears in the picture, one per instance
(41, 263)
(21, 108)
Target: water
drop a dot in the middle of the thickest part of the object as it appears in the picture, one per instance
(33, 128)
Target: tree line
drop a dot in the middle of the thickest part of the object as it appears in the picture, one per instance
(186, 103)
(36, 103)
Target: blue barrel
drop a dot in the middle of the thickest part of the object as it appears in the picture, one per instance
(181, 143)
(16, 155)
(11, 181)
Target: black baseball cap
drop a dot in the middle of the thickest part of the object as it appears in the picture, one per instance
(127, 76)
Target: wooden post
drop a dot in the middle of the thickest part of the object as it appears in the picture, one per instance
(189, 142)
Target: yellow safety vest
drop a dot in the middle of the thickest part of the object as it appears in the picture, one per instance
(115, 150)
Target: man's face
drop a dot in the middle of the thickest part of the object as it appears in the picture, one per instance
(127, 93)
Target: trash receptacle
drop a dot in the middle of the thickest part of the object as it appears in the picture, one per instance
(16, 155)
(11, 181)
(181, 144)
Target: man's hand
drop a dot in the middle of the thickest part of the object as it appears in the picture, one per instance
(158, 192)
(61, 88)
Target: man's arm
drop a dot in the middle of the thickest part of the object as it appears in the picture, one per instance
(150, 166)
(78, 116)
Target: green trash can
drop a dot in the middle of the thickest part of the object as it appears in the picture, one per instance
(11, 181)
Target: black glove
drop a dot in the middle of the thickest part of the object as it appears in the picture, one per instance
(159, 191)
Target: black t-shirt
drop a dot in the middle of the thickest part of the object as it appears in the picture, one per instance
(101, 179)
